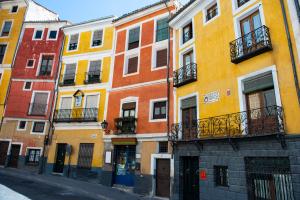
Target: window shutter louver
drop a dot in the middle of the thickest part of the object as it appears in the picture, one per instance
(95, 66)
(132, 65)
(189, 103)
(162, 58)
(74, 39)
(128, 106)
(259, 83)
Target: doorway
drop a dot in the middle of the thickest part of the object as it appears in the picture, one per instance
(60, 158)
(163, 177)
(14, 155)
(3, 152)
(189, 177)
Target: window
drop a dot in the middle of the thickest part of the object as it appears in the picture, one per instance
(97, 38)
(22, 125)
(69, 77)
(187, 32)
(94, 71)
(46, 65)
(33, 156)
(38, 35)
(188, 59)
(163, 147)
(189, 118)
(27, 85)
(73, 44)
(221, 176)
(6, 28)
(0, 75)
(212, 12)
(2, 52)
(241, 2)
(162, 29)
(38, 127)
(39, 105)
(129, 109)
(30, 63)
(161, 58)
(132, 65)
(134, 38)
(52, 35)
(297, 4)
(159, 110)
(14, 9)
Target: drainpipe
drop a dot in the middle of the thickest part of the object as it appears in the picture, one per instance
(48, 137)
(288, 35)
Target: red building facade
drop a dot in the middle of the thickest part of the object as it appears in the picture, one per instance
(137, 111)
(31, 96)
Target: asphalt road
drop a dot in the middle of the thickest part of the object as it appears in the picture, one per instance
(40, 191)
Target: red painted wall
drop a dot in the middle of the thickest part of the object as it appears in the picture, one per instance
(19, 100)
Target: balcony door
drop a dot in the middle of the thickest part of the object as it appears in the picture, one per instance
(65, 108)
(189, 119)
(261, 105)
(91, 106)
(39, 105)
(128, 115)
(251, 33)
(188, 59)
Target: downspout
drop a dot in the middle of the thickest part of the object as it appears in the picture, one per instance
(12, 64)
(288, 35)
(48, 137)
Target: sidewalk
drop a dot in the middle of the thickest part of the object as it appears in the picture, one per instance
(92, 190)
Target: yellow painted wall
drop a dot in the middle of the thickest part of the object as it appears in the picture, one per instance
(217, 73)
(74, 138)
(85, 42)
(11, 41)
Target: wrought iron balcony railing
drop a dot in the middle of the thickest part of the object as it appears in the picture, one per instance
(76, 115)
(68, 80)
(185, 75)
(257, 122)
(36, 109)
(126, 125)
(250, 45)
(92, 77)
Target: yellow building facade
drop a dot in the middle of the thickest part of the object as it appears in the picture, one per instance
(12, 15)
(76, 149)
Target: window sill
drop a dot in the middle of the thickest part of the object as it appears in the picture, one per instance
(186, 44)
(157, 120)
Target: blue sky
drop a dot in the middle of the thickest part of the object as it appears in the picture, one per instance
(82, 10)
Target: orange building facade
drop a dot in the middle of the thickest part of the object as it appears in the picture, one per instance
(139, 101)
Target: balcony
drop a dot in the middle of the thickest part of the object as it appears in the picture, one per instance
(126, 125)
(185, 75)
(250, 45)
(68, 80)
(76, 115)
(92, 77)
(257, 122)
(36, 109)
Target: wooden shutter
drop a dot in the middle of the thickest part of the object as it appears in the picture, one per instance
(98, 35)
(259, 83)
(132, 65)
(189, 103)
(162, 58)
(95, 66)
(74, 38)
(128, 106)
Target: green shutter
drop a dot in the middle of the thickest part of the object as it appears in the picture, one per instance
(259, 83)
(134, 35)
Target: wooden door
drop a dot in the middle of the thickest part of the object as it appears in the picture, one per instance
(189, 123)
(3, 152)
(14, 155)
(190, 178)
(60, 158)
(163, 177)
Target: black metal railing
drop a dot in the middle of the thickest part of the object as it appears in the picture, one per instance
(185, 75)
(162, 34)
(241, 2)
(187, 36)
(68, 80)
(76, 115)
(256, 122)
(126, 125)
(36, 109)
(250, 45)
(92, 77)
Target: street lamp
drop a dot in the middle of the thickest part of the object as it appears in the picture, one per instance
(104, 124)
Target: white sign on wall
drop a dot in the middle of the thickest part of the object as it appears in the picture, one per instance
(212, 97)
(108, 157)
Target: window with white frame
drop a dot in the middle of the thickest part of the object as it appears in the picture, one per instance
(14, 9)
(22, 125)
(211, 11)
(93, 75)
(161, 57)
(187, 32)
(69, 76)
(38, 35)
(30, 63)
(52, 35)
(27, 85)
(134, 38)
(39, 105)
(6, 28)
(159, 110)
(2, 52)
(46, 65)
(162, 29)
(97, 38)
(38, 127)
(33, 156)
(73, 42)
(132, 64)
